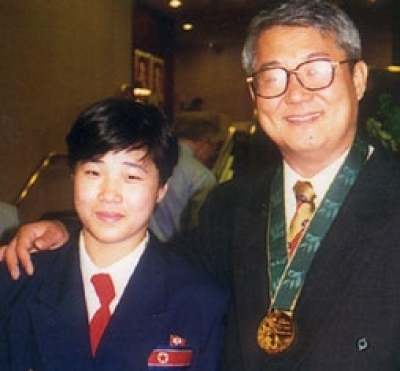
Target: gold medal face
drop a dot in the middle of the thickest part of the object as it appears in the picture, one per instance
(276, 332)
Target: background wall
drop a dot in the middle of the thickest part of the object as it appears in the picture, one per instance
(214, 74)
(56, 57)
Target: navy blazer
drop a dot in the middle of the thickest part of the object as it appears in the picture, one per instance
(348, 313)
(45, 325)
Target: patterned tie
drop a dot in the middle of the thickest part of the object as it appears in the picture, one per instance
(105, 291)
(305, 208)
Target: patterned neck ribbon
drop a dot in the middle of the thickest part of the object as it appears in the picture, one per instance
(287, 277)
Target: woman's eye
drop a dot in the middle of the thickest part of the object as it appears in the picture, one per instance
(92, 172)
(132, 177)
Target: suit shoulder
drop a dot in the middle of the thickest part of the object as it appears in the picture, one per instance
(23, 289)
(245, 184)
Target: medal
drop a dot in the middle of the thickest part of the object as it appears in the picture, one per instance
(276, 332)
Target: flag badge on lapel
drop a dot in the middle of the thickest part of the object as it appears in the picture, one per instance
(177, 341)
(176, 354)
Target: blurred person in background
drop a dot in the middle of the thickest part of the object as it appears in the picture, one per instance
(9, 221)
(191, 180)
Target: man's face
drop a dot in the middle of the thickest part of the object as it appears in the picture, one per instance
(114, 198)
(310, 125)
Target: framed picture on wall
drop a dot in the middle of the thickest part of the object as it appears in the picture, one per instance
(142, 69)
(157, 79)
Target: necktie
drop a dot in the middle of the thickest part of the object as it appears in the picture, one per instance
(305, 208)
(105, 291)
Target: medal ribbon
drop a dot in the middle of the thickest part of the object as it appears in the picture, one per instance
(287, 278)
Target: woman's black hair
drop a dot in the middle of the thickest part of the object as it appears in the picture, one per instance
(116, 125)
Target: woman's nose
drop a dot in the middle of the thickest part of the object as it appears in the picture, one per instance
(110, 191)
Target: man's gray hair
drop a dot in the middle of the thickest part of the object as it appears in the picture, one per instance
(322, 15)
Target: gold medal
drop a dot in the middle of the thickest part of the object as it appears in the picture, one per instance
(276, 332)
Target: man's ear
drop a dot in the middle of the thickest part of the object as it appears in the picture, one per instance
(162, 192)
(251, 91)
(360, 75)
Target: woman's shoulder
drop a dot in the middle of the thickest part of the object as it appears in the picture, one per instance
(185, 274)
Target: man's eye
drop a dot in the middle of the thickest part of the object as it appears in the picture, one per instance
(272, 78)
(268, 79)
(313, 72)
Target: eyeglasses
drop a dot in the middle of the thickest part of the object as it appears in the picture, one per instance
(317, 74)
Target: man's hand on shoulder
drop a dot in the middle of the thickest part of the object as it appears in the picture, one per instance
(31, 238)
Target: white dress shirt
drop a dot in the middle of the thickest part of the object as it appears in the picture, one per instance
(120, 273)
(320, 182)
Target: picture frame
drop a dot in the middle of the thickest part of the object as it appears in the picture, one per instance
(142, 69)
(157, 79)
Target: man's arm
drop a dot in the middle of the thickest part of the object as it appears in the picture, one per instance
(30, 238)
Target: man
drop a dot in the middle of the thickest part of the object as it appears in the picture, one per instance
(191, 180)
(113, 298)
(330, 301)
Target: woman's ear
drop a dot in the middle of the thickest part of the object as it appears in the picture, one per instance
(162, 190)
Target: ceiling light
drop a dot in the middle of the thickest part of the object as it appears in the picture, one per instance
(187, 26)
(395, 69)
(175, 3)
(141, 92)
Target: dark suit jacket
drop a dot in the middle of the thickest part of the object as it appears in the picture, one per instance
(45, 321)
(348, 313)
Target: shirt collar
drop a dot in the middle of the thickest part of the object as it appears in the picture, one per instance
(120, 271)
(320, 182)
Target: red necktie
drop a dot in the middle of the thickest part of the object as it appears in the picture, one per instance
(305, 197)
(105, 291)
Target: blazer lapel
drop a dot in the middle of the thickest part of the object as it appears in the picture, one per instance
(141, 312)
(59, 316)
(251, 286)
